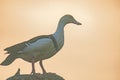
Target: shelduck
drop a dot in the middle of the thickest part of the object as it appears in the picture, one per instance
(41, 47)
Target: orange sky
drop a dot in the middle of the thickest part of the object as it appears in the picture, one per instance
(91, 51)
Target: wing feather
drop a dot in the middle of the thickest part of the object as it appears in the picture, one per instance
(20, 46)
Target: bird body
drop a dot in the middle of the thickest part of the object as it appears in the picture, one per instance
(41, 47)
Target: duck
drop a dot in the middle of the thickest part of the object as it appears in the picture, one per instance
(41, 47)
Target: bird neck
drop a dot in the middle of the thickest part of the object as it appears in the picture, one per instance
(60, 29)
(59, 34)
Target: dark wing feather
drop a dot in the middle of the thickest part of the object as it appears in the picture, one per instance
(21, 46)
(37, 38)
(15, 48)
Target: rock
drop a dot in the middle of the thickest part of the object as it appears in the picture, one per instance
(37, 76)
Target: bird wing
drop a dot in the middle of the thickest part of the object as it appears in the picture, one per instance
(41, 46)
(20, 46)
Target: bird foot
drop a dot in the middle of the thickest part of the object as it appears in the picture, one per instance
(44, 72)
(33, 73)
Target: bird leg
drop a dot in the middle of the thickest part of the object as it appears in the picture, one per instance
(41, 65)
(33, 67)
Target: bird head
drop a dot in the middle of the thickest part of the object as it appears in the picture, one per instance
(69, 19)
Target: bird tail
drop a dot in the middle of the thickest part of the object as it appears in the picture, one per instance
(9, 59)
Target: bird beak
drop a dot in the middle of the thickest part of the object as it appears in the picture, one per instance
(78, 23)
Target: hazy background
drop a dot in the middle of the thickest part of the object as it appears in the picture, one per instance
(91, 51)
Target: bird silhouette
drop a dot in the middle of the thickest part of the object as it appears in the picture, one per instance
(41, 47)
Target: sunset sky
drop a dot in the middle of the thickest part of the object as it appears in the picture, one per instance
(91, 51)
